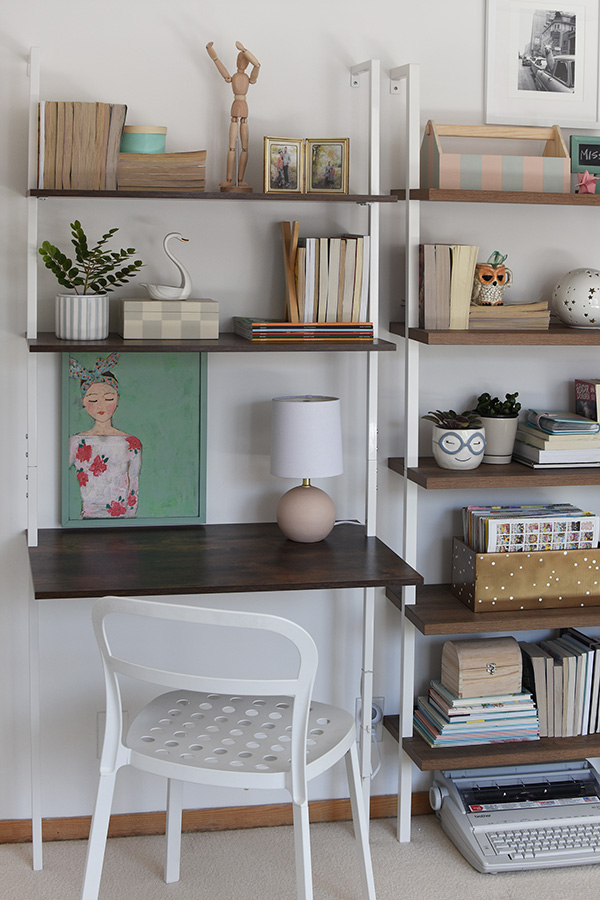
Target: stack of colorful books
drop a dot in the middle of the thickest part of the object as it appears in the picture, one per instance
(256, 329)
(557, 440)
(444, 720)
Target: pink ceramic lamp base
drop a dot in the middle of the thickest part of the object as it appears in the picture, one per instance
(306, 514)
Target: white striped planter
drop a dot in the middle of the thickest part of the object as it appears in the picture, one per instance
(81, 317)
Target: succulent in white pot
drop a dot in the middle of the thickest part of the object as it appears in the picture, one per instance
(83, 314)
(500, 419)
(457, 440)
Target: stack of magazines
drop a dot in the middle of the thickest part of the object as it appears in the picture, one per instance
(504, 529)
(256, 329)
(557, 440)
(444, 720)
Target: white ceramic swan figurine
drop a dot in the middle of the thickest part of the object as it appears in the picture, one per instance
(165, 291)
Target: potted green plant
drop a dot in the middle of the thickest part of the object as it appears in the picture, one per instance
(458, 439)
(500, 419)
(83, 315)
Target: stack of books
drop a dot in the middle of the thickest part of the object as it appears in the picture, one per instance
(444, 720)
(78, 145)
(563, 675)
(332, 278)
(185, 171)
(557, 440)
(446, 274)
(256, 329)
(510, 316)
(509, 529)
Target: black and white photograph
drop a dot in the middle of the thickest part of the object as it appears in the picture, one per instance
(548, 53)
(542, 63)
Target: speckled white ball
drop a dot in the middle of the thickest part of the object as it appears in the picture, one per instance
(576, 298)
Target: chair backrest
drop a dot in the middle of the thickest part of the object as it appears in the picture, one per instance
(298, 685)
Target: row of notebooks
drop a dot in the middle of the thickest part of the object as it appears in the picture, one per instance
(563, 674)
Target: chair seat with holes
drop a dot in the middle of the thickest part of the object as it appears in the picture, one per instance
(257, 729)
(224, 733)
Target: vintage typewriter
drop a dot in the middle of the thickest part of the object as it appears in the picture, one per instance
(521, 817)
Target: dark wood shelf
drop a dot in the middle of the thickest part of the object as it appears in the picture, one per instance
(217, 195)
(555, 336)
(47, 342)
(92, 562)
(430, 476)
(438, 611)
(509, 753)
(524, 197)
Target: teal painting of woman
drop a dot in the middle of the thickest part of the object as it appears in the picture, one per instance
(107, 460)
(134, 439)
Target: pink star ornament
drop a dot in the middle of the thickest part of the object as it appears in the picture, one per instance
(586, 183)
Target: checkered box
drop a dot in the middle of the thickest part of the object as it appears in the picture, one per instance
(169, 319)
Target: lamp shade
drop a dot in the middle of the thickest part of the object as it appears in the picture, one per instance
(306, 437)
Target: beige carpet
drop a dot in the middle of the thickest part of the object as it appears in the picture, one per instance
(257, 864)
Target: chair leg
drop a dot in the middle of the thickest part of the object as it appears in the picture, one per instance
(359, 819)
(173, 834)
(304, 886)
(97, 839)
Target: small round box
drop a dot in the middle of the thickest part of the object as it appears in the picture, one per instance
(143, 139)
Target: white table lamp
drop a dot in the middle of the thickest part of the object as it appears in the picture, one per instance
(306, 442)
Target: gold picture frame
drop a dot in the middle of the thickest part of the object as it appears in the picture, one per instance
(283, 171)
(327, 165)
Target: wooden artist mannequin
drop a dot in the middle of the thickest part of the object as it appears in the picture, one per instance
(239, 113)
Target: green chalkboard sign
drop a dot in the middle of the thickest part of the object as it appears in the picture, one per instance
(585, 154)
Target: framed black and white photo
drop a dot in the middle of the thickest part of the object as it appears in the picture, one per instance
(542, 63)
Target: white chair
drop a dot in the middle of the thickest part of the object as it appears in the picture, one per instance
(253, 732)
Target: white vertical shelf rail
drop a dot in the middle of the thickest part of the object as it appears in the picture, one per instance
(32, 236)
(373, 69)
(409, 75)
(33, 71)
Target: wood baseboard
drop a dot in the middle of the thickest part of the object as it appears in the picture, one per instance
(228, 818)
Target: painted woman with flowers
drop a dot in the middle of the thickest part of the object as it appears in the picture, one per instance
(107, 461)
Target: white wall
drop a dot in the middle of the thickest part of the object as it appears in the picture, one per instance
(151, 55)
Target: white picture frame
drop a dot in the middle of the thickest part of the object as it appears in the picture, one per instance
(516, 32)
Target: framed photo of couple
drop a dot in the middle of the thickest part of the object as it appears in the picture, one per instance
(312, 166)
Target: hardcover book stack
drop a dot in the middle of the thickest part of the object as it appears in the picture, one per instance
(180, 172)
(444, 720)
(331, 277)
(557, 440)
(446, 282)
(511, 316)
(563, 675)
(78, 145)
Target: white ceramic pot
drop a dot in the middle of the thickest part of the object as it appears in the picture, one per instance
(500, 433)
(81, 317)
(461, 448)
(576, 298)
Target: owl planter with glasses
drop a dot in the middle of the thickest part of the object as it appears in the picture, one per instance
(491, 280)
